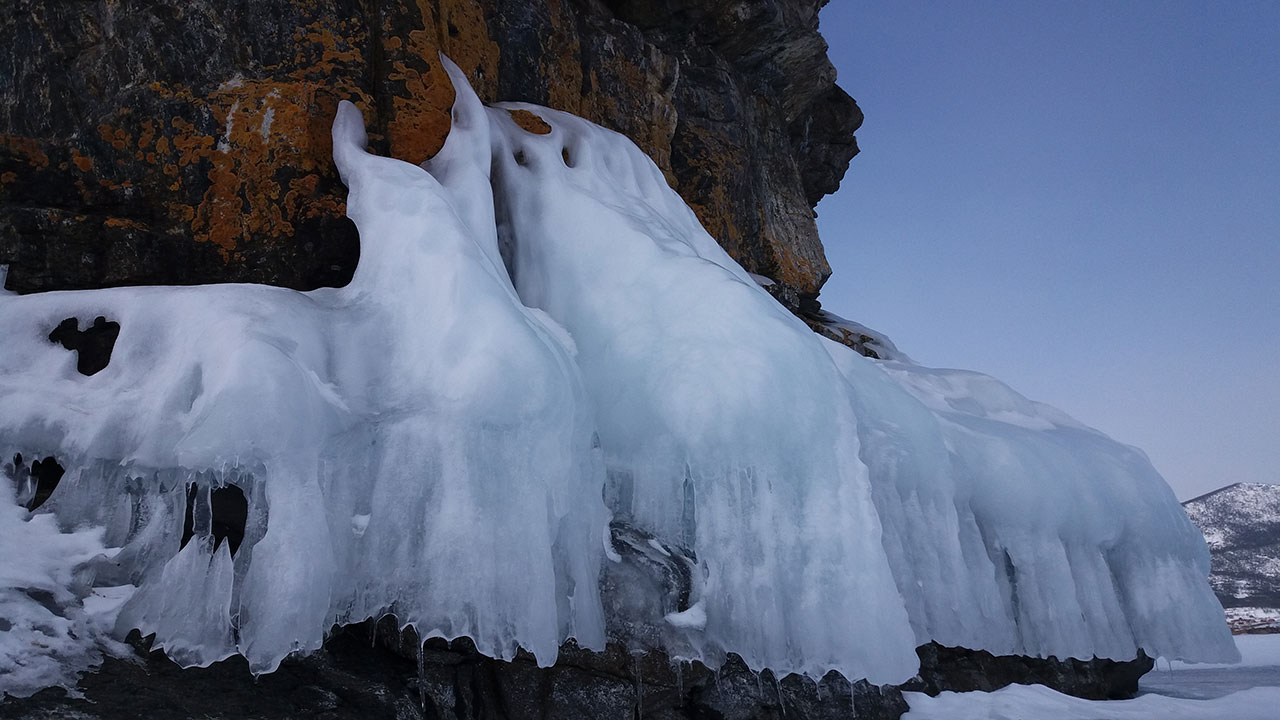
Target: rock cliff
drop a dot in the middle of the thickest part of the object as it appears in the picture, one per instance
(186, 141)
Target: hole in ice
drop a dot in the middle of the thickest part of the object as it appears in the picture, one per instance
(568, 160)
(189, 523)
(228, 512)
(47, 474)
(37, 482)
(520, 158)
(93, 345)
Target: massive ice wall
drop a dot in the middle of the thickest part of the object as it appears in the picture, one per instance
(540, 335)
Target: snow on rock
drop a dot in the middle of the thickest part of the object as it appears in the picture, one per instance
(538, 322)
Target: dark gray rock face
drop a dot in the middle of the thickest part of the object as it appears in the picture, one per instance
(186, 141)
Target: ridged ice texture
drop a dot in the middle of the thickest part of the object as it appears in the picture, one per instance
(539, 322)
(1015, 529)
(724, 425)
(1009, 526)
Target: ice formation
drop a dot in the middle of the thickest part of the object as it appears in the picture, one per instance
(540, 337)
(51, 624)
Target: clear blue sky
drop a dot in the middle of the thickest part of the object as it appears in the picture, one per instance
(1081, 199)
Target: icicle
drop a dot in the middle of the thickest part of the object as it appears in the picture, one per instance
(422, 678)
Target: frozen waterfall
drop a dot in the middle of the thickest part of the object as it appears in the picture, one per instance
(541, 339)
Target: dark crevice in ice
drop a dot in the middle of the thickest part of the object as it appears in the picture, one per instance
(93, 345)
(229, 511)
(35, 483)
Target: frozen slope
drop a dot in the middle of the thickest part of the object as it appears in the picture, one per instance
(539, 322)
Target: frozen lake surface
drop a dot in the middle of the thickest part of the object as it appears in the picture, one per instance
(1205, 684)
(1259, 667)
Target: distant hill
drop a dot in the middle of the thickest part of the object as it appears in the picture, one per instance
(1241, 524)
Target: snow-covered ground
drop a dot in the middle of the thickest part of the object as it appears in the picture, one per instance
(1175, 690)
(1036, 702)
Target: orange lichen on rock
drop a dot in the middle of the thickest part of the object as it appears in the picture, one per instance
(123, 224)
(530, 122)
(645, 113)
(84, 163)
(712, 203)
(226, 155)
(562, 61)
(420, 121)
(462, 32)
(191, 146)
(416, 88)
(27, 148)
(796, 268)
(271, 135)
(118, 138)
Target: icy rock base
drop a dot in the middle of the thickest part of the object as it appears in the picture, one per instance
(350, 678)
(368, 672)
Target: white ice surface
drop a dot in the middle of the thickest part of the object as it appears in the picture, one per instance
(1036, 702)
(719, 412)
(1015, 529)
(51, 625)
(537, 322)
